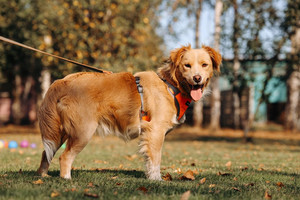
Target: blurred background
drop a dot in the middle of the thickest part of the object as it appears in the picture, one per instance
(259, 85)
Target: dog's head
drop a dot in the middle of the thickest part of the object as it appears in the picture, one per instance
(191, 69)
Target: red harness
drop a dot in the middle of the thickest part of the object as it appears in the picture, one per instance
(181, 103)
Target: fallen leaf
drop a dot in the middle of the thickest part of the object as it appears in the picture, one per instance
(236, 189)
(186, 195)
(143, 189)
(193, 164)
(249, 184)
(38, 182)
(244, 168)
(54, 194)
(167, 177)
(228, 164)
(189, 175)
(223, 174)
(90, 184)
(235, 179)
(114, 177)
(203, 180)
(268, 181)
(71, 190)
(119, 183)
(212, 185)
(267, 195)
(92, 195)
(178, 171)
(131, 157)
(279, 184)
(86, 190)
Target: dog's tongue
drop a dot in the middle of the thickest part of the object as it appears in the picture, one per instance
(196, 94)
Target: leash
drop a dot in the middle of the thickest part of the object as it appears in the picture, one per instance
(55, 56)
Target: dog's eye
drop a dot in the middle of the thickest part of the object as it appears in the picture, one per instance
(188, 65)
(204, 65)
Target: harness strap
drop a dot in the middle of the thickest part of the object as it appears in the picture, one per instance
(143, 114)
(181, 103)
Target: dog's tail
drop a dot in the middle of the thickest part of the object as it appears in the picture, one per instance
(53, 135)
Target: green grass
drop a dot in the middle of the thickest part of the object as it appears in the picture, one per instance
(111, 169)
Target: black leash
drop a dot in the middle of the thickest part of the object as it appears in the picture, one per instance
(55, 56)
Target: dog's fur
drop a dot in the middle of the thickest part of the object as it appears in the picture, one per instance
(81, 103)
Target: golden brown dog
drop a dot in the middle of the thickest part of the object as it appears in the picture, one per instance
(78, 105)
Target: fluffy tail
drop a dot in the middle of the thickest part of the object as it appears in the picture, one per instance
(50, 122)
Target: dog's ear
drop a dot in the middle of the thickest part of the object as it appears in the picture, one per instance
(177, 54)
(215, 57)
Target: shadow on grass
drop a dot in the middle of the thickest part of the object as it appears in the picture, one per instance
(204, 138)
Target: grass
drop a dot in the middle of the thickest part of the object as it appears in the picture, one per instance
(108, 168)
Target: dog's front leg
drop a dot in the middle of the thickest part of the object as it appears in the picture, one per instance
(151, 147)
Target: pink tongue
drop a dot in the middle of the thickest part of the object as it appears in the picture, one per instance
(196, 94)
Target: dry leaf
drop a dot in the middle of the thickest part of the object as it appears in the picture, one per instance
(249, 184)
(193, 164)
(212, 185)
(279, 184)
(114, 177)
(236, 189)
(143, 189)
(235, 179)
(71, 190)
(90, 184)
(92, 195)
(267, 195)
(203, 180)
(167, 177)
(54, 194)
(189, 175)
(119, 183)
(186, 195)
(38, 182)
(268, 181)
(223, 174)
(244, 168)
(228, 164)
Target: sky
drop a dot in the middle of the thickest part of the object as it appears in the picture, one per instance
(186, 34)
(186, 30)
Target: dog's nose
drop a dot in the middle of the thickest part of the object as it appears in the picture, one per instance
(197, 78)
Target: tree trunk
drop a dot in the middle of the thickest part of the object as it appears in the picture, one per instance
(292, 108)
(216, 96)
(293, 84)
(198, 106)
(45, 81)
(236, 67)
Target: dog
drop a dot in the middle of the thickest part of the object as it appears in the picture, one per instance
(145, 105)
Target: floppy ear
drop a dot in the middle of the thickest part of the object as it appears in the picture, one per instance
(215, 57)
(177, 54)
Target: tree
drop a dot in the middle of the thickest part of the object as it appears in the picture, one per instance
(114, 35)
(216, 96)
(291, 26)
(198, 106)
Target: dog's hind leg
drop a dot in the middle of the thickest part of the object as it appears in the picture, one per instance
(79, 138)
(50, 149)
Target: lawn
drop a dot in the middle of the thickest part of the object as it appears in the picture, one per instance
(197, 168)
